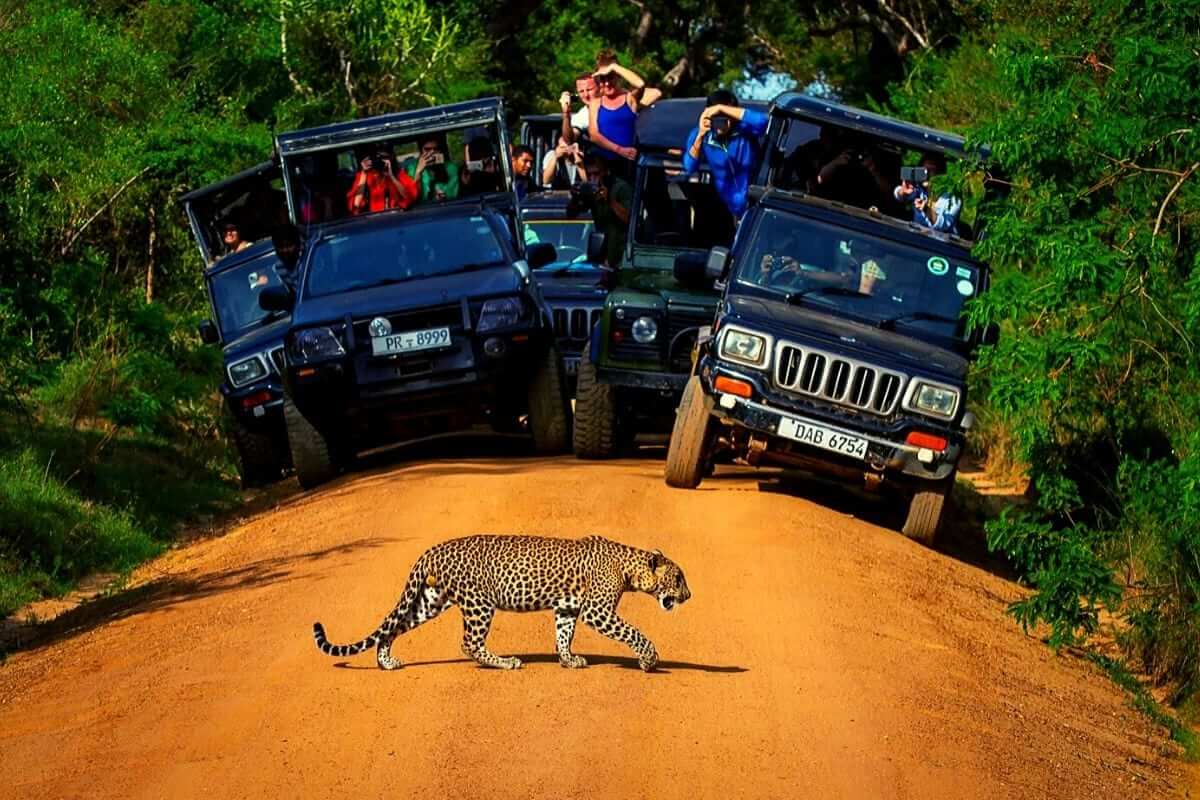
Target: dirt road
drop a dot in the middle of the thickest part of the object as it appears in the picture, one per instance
(821, 656)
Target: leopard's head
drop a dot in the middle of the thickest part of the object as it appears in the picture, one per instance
(662, 577)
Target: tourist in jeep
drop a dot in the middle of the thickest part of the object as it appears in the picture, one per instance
(726, 138)
(612, 118)
(609, 198)
(938, 213)
(378, 186)
(432, 170)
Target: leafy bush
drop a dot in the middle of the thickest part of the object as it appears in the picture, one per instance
(1090, 110)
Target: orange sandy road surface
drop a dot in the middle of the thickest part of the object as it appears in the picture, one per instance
(821, 656)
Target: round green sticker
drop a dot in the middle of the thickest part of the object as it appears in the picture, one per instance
(938, 265)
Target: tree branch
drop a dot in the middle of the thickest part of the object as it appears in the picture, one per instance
(1163, 208)
(66, 248)
(283, 54)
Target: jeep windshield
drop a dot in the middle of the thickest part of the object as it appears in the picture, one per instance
(680, 211)
(404, 250)
(874, 279)
(235, 295)
(569, 237)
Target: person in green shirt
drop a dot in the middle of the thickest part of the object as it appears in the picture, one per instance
(609, 198)
(435, 174)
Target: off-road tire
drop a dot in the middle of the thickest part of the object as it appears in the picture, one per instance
(691, 438)
(925, 512)
(549, 409)
(259, 459)
(595, 412)
(315, 458)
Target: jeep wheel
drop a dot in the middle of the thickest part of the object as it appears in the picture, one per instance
(549, 410)
(259, 459)
(925, 512)
(687, 455)
(595, 412)
(314, 457)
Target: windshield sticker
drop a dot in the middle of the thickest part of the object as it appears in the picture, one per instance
(963, 272)
(257, 280)
(476, 219)
(938, 265)
(966, 288)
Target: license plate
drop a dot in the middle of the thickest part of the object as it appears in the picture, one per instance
(820, 436)
(410, 341)
(571, 366)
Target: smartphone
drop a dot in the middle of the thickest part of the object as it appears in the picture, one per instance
(474, 166)
(914, 174)
(437, 158)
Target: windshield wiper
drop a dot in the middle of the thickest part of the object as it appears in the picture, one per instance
(392, 281)
(795, 297)
(890, 323)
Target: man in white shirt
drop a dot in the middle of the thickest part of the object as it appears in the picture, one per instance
(575, 124)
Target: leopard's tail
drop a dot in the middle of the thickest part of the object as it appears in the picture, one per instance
(385, 629)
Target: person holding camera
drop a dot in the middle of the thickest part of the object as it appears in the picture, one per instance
(574, 124)
(435, 175)
(378, 186)
(482, 174)
(609, 199)
(562, 167)
(726, 139)
(938, 213)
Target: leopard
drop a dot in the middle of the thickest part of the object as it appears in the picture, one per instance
(576, 578)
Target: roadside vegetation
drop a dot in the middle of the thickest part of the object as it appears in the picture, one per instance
(109, 426)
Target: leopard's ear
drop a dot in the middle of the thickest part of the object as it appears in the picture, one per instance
(655, 560)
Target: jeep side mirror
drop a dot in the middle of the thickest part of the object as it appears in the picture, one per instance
(596, 248)
(691, 267)
(718, 259)
(275, 298)
(540, 254)
(208, 332)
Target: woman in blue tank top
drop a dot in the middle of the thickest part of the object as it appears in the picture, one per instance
(613, 111)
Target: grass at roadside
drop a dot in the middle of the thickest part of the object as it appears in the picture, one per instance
(77, 502)
(1145, 703)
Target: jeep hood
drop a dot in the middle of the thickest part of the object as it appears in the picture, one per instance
(435, 290)
(268, 337)
(841, 335)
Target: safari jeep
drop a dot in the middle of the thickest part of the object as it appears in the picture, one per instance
(639, 350)
(251, 338)
(840, 345)
(416, 322)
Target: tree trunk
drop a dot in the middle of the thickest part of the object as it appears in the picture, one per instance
(151, 246)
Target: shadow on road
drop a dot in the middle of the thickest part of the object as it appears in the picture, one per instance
(163, 593)
(962, 537)
(625, 662)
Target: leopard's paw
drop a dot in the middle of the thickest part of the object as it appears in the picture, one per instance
(574, 662)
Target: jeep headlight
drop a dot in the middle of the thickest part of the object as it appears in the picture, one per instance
(938, 401)
(644, 330)
(500, 313)
(247, 370)
(744, 347)
(316, 343)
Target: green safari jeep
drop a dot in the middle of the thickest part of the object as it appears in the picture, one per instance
(639, 355)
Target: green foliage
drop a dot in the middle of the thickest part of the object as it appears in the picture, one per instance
(1090, 109)
(55, 535)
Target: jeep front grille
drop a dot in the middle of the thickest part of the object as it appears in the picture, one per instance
(844, 381)
(575, 322)
(683, 326)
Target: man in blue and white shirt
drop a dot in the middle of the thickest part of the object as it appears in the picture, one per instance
(939, 213)
(726, 138)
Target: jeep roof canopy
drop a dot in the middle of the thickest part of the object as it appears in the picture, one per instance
(485, 113)
(238, 198)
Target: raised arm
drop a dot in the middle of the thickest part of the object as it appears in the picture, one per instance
(568, 130)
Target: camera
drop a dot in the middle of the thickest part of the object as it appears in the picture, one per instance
(917, 175)
(721, 124)
(584, 191)
(437, 158)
